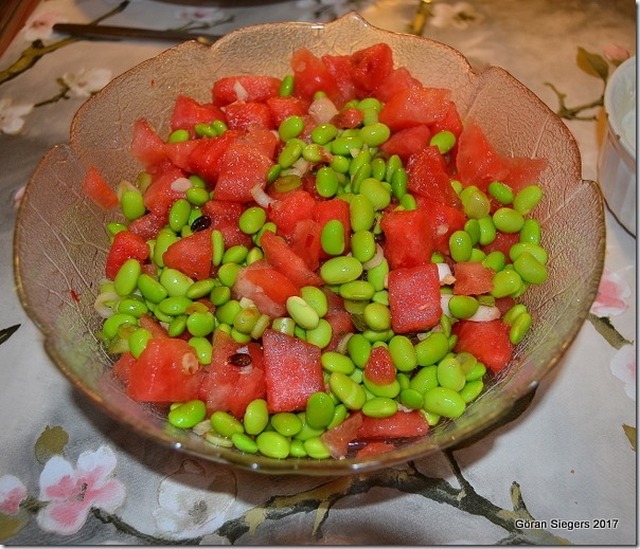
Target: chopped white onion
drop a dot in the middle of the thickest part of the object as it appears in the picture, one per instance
(241, 93)
(102, 302)
(322, 110)
(444, 274)
(299, 167)
(376, 259)
(261, 197)
(484, 313)
(182, 184)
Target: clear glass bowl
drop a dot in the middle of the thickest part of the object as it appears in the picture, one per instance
(60, 242)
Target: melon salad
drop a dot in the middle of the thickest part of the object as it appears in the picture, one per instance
(322, 265)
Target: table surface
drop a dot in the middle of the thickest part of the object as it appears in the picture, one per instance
(566, 465)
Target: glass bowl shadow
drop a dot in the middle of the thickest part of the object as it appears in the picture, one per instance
(60, 243)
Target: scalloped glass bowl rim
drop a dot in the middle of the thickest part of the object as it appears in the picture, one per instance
(452, 433)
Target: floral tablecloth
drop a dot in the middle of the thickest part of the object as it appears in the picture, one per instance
(563, 472)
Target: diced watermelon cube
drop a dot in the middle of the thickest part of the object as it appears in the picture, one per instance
(414, 298)
(293, 371)
(488, 341)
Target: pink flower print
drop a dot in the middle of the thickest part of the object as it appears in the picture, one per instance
(612, 297)
(623, 366)
(71, 493)
(615, 53)
(40, 25)
(12, 492)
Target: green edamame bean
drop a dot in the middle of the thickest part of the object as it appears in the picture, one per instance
(537, 251)
(377, 316)
(132, 204)
(327, 181)
(228, 273)
(200, 324)
(307, 431)
(256, 416)
(520, 327)
(244, 443)
(138, 341)
(235, 254)
(220, 295)
(197, 195)
(432, 349)
(377, 275)
(200, 288)
(175, 282)
(174, 305)
(178, 136)
(411, 398)
(133, 306)
(350, 393)
(530, 269)
(333, 361)
(315, 448)
(506, 282)
(315, 298)
(444, 140)
(501, 192)
(287, 424)
(291, 151)
(304, 314)
(252, 220)
(225, 424)
(290, 127)
(495, 260)
(357, 290)
(389, 390)
(530, 232)
(296, 448)
(203, 348)
(507, 220)
(408, 202)
(112, 324)
(487, 230)
(126, 279)
(273, 444)
(177, 326)
(286, 86)
(363, 245)
(187, 414)
(320, 410)
(463, 306)
(444, 401)
(378, 168)
(332, 237)
(361, 213)
(151, 289)
(324, 133)
(471, 390)
(226, 312)
(375, 134)
(347, 145)
(399, 182)
(114, 228)
(285, 325)
(359, 349)
(403, 353)
(217, 247)
(380, 407)
(321, 335)
(450, 374)
(340, 270)
(527, 199)
(513, 312)
(475, 203)
(472, 228)
(460, 246)
(425, 379)
(376, 192)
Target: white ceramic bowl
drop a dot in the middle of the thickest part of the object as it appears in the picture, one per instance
(617, 160)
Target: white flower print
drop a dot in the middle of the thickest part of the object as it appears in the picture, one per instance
(86, 81)
(11, 115)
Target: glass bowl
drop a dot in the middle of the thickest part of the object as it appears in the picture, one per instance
(60, 242)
